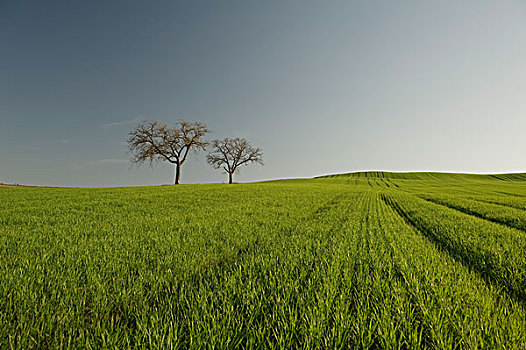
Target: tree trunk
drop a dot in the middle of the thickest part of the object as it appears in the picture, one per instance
(177, 173)
(229, 178)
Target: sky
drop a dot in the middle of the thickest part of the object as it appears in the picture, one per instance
(321, 86)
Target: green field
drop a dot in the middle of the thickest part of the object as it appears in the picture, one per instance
(382, 260)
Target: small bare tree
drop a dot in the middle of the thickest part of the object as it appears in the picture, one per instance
(229, 154)
(153, 141)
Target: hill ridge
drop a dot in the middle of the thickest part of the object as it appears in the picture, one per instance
(428, 175)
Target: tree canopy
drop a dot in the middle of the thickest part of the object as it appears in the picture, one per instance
(231, 153)
(152, 141)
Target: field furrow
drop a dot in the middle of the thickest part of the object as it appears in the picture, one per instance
(454, 302)
(493, 251)
(492, 212)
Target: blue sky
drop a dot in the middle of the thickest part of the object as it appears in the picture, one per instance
(321, 87)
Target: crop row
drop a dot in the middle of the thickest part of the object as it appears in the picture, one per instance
(494, 251)
(511, 217)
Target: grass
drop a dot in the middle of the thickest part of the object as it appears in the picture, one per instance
(381, 260)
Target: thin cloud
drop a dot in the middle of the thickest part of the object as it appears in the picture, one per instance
(122, 123)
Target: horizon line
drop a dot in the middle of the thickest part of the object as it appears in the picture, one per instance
(15, 184)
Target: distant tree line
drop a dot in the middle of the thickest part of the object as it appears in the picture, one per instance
(152, 141)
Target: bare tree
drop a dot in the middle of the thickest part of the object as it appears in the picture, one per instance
(229, 154)
(153, 141)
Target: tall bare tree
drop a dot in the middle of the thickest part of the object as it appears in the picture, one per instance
(229, 154)
(153, 141)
